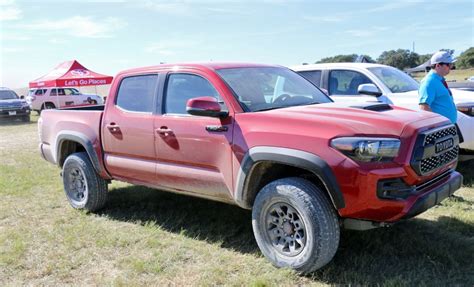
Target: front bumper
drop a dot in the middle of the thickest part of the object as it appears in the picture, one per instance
(435, 194)
(14, 113)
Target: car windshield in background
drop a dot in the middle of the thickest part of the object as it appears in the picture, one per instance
(396, 80)
(265, 88)
(7, 95)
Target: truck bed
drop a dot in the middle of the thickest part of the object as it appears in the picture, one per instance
(55, 127)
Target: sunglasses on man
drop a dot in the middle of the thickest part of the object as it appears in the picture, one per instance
(450, 65)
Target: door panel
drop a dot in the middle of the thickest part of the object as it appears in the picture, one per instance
(190, 157)
(128, 133)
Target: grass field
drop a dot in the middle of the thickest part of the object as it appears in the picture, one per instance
(147, 237)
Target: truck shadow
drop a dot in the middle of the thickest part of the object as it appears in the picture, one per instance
(466, 168)
(438, 251)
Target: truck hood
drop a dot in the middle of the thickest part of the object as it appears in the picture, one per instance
(349, 119)
(4, 103)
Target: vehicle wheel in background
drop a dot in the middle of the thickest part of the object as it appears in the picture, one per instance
(26, 119)
(295, 225)
(48, 106)
(84, 188)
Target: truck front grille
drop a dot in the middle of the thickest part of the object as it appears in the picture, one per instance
(12, 106)
(431, 138)
(434, 149)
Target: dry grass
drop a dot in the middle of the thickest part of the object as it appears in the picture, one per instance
(148, 237)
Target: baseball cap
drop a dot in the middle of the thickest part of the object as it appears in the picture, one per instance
(442, 57)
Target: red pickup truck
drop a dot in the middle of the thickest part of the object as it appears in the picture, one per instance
(263, 138)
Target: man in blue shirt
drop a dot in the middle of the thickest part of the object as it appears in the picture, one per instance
(435, 95)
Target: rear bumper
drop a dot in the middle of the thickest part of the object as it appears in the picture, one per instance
(46, 153)
(435, 195)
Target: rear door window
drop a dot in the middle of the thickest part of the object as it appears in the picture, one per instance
(312, 76)
(346, 82)
(137, 93)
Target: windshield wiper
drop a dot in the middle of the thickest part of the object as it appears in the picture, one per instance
(271, 108)
(310, 103)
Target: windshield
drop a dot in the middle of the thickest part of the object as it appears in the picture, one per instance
(395, 80)
(265, 88)
(8, 95)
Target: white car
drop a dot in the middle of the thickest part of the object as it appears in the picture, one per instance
(51, 98)
(361, 82)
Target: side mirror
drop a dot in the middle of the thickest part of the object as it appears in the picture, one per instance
(22, 97)
(206, 107)
(369, 89)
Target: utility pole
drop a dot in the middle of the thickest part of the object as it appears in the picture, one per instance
(413, 49)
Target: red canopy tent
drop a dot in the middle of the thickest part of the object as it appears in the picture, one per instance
(71, 73)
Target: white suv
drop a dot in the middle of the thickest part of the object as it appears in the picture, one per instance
(360, 82)
(51, 98)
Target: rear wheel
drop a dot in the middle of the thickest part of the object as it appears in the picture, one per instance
(295, 225)
(84, 188)
(26, 119)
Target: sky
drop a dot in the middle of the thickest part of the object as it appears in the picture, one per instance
(108, 36)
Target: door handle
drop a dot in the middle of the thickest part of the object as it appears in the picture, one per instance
(164, 131)
(113, 128)
(216, 128)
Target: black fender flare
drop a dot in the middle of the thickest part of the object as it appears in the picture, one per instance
(82, 140)
(292, 157)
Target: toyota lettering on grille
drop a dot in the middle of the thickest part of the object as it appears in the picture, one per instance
(444, 145)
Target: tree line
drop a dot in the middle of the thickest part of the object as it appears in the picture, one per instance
(403, 59)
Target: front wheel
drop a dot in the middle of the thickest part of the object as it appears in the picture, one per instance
(295, 225)
(84, 188)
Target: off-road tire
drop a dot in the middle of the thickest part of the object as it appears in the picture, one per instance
(84, 188)
(318, 224)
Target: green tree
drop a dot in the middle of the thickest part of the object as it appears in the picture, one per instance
(400, 58)
(423, 58)
(466, 59)
(451, 51)
(344, 59)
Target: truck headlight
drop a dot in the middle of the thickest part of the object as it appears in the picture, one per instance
(367, 149)
(466, 108)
